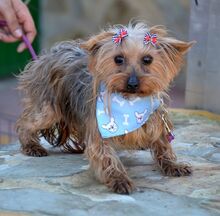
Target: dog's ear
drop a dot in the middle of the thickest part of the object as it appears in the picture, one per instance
(95, 42)
(181, 46)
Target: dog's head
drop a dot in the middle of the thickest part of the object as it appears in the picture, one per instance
(135, 60)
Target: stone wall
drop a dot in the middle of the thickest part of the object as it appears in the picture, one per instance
(203, 77)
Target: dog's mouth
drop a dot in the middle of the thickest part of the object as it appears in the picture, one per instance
(132, 91)
(133, 95)
(128, 90)
(130, 87)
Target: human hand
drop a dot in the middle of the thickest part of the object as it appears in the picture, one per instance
(19, 20)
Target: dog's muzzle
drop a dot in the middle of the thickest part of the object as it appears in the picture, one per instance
(133, 83)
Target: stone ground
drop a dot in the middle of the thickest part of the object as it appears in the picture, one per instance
(61, 184)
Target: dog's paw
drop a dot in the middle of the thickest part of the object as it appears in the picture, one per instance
(121, 185)
(177, 169)
(34, 151)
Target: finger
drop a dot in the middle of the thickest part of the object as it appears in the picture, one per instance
(21, 47)
(11, 19)
(25, 19)
(30, 30)
(7, 38)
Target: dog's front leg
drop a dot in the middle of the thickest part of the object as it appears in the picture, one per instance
(166, 159)
(108, 167)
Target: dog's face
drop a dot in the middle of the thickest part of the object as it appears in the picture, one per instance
(135, 67)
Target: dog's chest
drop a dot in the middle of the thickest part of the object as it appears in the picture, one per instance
(142, 137)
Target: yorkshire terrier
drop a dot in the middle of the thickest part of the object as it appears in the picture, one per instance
(104, 94)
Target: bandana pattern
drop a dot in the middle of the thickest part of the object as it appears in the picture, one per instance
(126, 115)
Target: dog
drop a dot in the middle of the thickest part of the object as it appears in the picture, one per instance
(90, 92)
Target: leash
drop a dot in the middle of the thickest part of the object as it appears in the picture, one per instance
(170, 135)
(25, 40)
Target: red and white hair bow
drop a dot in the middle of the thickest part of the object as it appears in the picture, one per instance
(117, 38)
(150, 38)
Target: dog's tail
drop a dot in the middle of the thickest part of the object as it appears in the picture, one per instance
(59, 135)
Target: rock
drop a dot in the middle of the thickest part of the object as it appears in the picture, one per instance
(216, 141)
(215, 157)
(61, 184)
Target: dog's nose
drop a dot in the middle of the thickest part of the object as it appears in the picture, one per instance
(133, 82)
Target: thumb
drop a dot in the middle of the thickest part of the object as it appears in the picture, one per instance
(11, 19)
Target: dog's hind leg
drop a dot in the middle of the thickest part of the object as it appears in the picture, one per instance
(29, 125)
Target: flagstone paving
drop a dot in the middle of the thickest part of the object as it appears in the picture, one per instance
(61, 184)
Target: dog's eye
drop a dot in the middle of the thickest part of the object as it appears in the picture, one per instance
(119, 60)
(146, 60)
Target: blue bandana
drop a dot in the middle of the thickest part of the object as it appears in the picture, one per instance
(126, 115)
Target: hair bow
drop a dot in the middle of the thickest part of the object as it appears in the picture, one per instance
(150, 38)
(117, 38)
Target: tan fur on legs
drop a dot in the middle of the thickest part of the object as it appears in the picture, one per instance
(29, 126)
(107, 167)
(166, 159)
